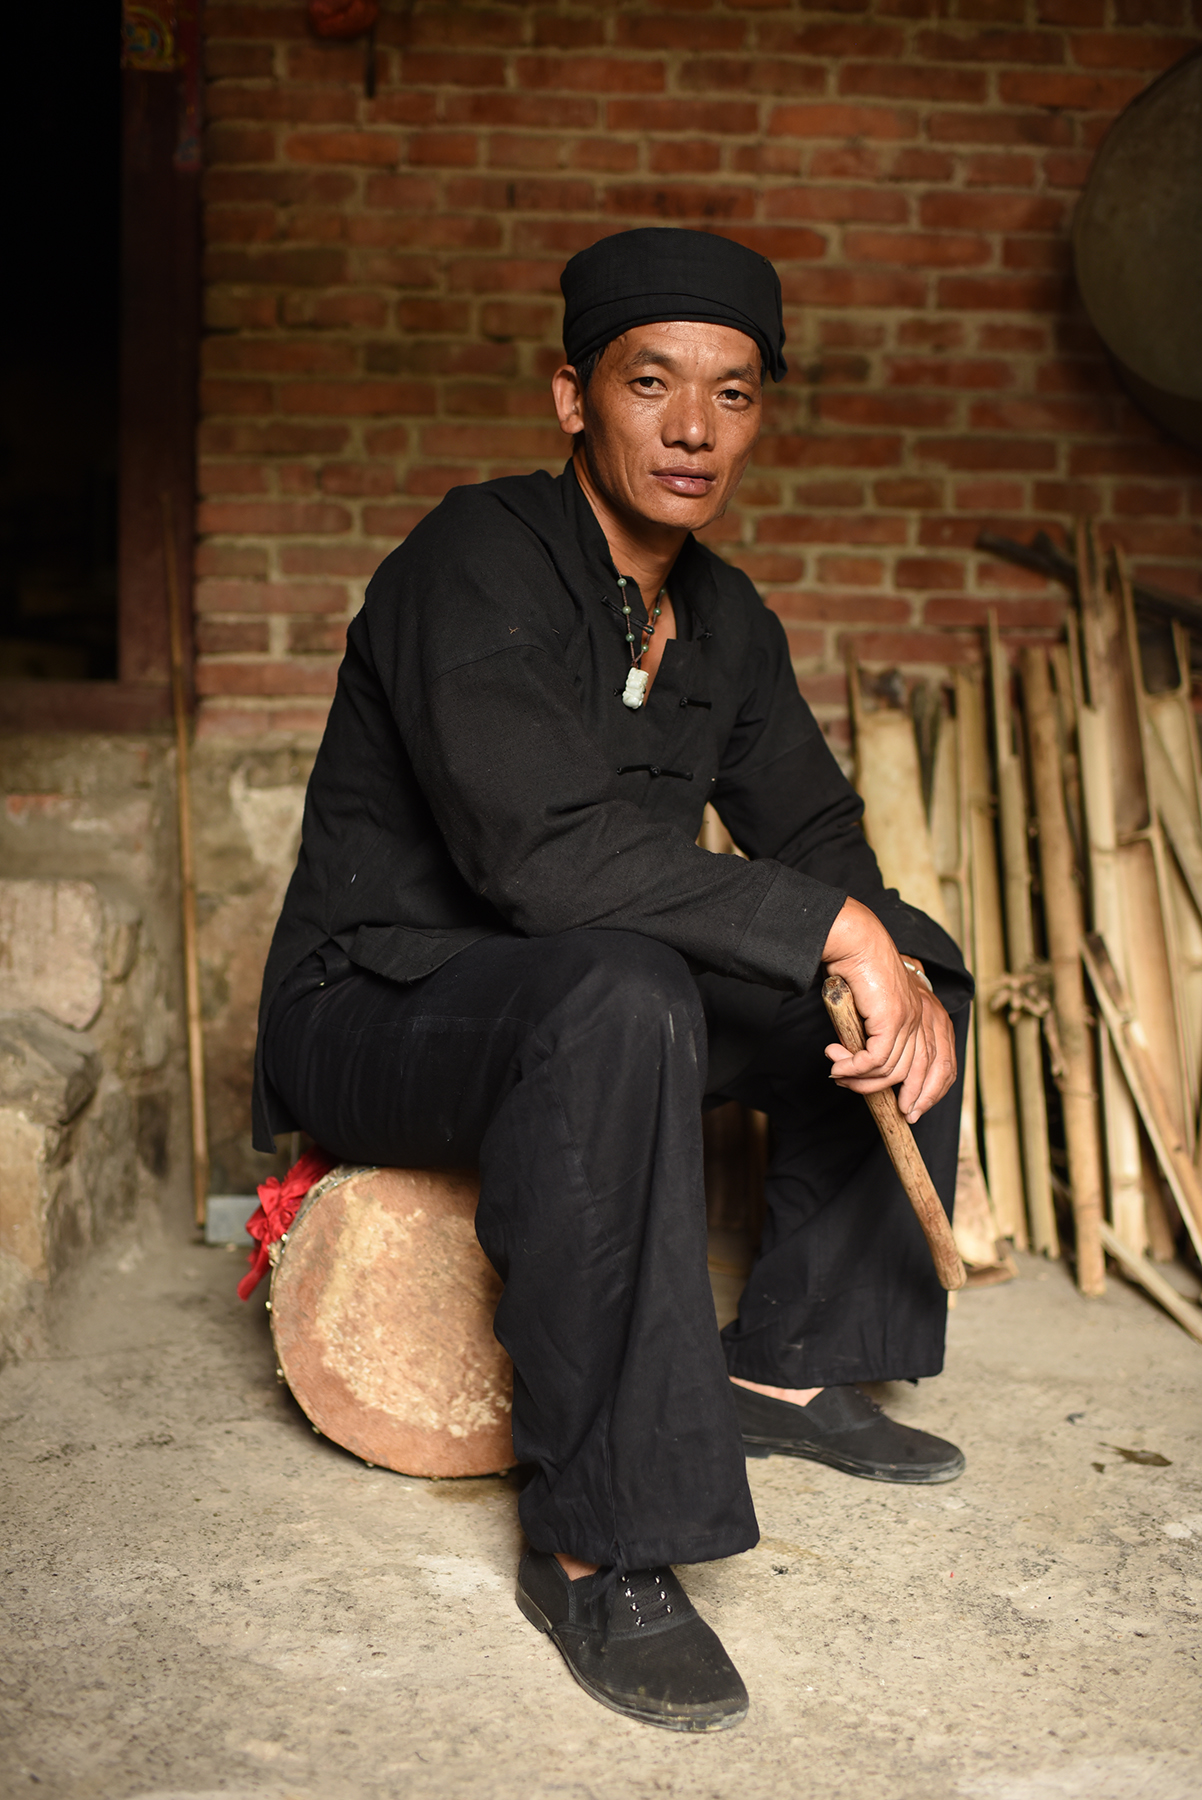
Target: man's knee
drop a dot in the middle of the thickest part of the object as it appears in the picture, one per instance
(628, 984)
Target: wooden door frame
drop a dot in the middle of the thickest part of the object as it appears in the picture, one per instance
(159, 351)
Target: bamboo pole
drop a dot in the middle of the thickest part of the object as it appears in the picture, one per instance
(1183, 926)
(1183, 890)
(1175, 777)
(1190, 1317)
(1124, 1163)
(1185, 752)
(1064, 659)
(1176, 810)
(1152, 946)
(1064, 920)
(187, 881)
(889, 781)
(974, 1222)
(948, 836)
(1020, 947)
(995, 1067)
(1131, 1044)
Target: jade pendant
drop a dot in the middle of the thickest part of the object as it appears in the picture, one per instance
(635, 691)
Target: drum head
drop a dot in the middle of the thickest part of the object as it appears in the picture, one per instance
(382, 1304)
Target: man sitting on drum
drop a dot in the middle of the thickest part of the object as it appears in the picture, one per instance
(503, 947)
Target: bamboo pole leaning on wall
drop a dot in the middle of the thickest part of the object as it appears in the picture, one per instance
(1130, 1040)
(949, 836)
(1064, 659)
(1153, 954)
(1171, 780)
(979, 1237)
(1141, 1270)
(1175, 777)
(1020, 947)
(1147, 861)
(1124, 1162)
(889, 781)
(995, 1067)
(1064, 920)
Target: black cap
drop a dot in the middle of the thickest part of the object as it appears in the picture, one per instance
(642, 277)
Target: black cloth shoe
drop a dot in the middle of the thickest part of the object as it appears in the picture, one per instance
(843, 1427)
(635, 1644)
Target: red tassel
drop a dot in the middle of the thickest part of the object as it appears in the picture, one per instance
(260, 1262)
(279, 1203)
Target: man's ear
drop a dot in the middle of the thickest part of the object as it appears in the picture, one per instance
(569, 400)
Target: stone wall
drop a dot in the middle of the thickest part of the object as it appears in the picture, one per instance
(93, 1103)
(101, 811)
(248, 801)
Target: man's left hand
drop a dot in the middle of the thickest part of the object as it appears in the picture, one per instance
(910, 1040)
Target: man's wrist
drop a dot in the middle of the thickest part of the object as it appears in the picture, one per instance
(852, 930)
(916, 968)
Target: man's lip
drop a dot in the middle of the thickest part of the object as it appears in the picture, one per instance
(689, 483)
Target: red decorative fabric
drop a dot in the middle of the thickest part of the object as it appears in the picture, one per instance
(279, 1203)
(343, 18)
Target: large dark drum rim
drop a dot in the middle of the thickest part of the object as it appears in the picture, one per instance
(1137, 241)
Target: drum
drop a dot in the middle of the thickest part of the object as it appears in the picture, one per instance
(382, 1304)
(1137, 240)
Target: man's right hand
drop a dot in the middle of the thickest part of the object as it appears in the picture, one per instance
(909, 1044)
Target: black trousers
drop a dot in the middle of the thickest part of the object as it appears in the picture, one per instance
(573, 1071)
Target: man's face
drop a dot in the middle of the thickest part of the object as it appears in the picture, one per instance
(669, 421)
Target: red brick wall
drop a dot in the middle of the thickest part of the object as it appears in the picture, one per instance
(384, 312)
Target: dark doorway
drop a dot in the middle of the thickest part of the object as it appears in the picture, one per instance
(60, 126)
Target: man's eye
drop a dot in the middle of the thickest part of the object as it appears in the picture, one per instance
(648, 381)
(734, 394)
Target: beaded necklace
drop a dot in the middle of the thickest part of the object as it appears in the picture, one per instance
(635, 691)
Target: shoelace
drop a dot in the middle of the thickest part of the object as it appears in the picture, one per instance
(645, 1593)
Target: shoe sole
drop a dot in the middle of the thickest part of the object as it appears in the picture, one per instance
(753, 1446)
(669, 1722)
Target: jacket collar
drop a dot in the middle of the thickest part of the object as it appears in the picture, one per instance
(557, 510)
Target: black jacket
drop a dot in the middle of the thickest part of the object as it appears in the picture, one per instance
(480, 774)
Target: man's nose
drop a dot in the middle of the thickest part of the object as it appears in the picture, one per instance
(688, 420)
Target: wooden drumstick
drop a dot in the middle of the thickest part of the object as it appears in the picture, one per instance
(904, 1153)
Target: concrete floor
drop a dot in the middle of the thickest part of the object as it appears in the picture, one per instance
(203, 1598)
